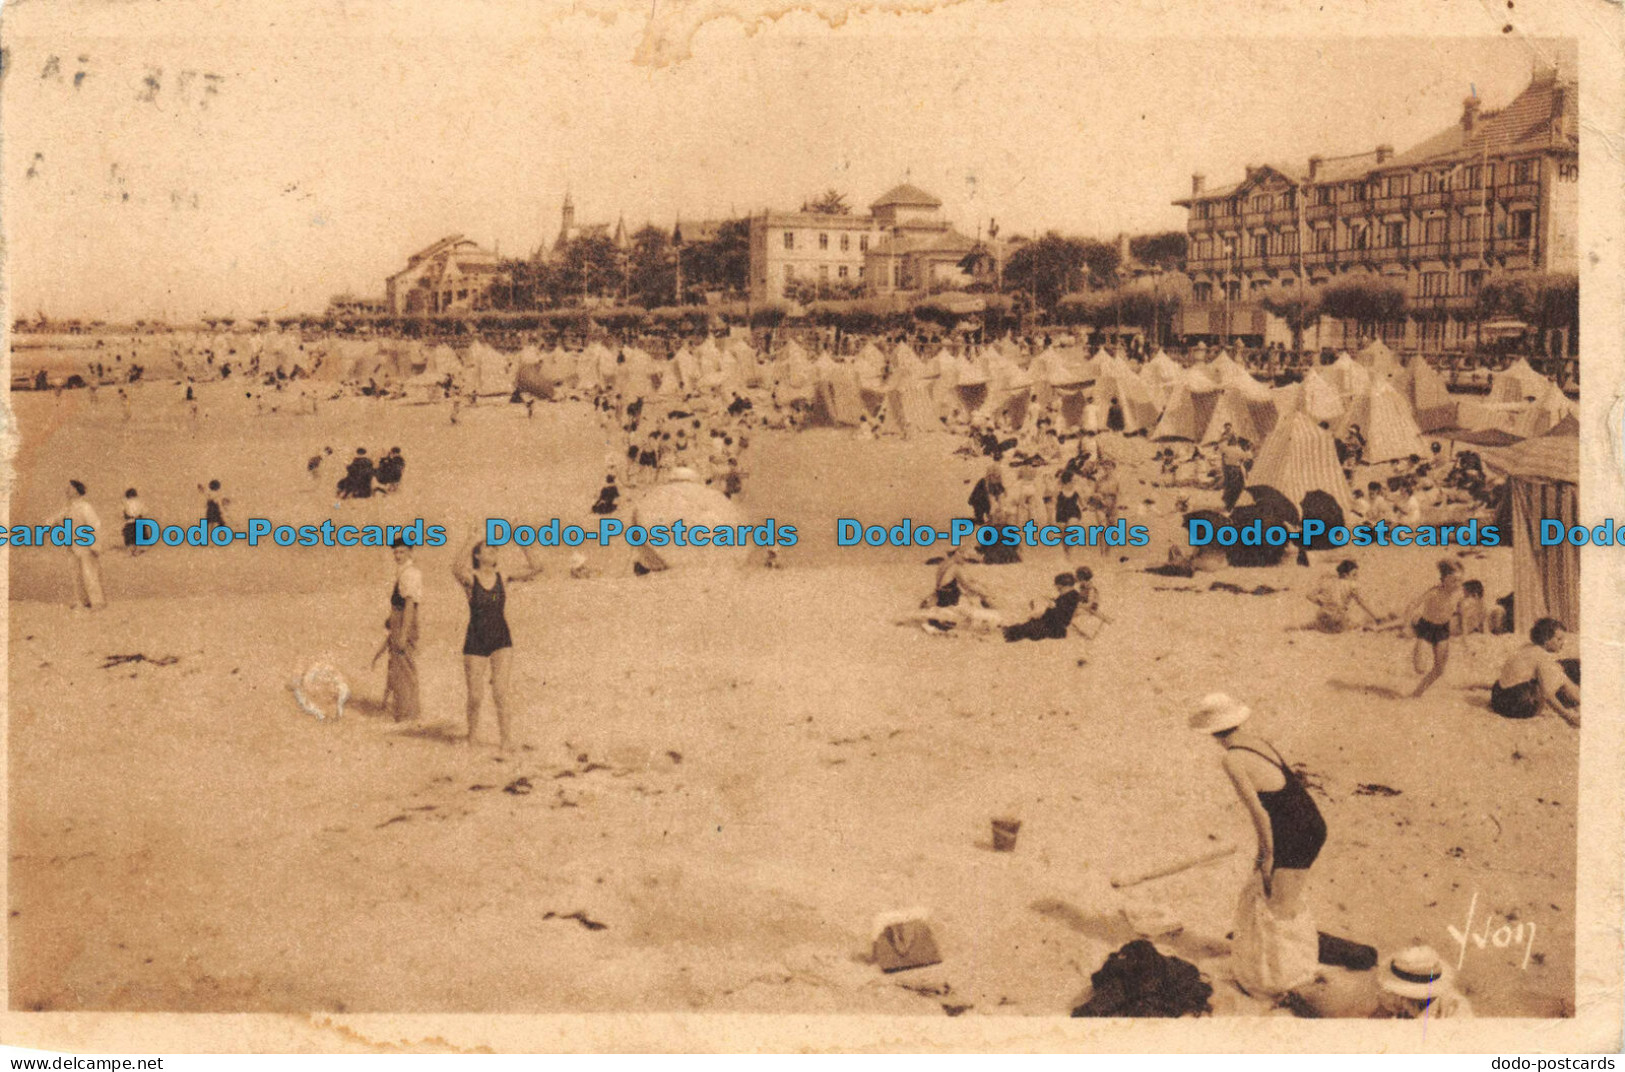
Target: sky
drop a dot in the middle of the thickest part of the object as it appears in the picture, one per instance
(188, 158)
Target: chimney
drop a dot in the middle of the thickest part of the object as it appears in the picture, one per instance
(1314, 167)
(1198, 183)
(1384, 152)
(1251, 171)
(1469, 113)
(1544, 74)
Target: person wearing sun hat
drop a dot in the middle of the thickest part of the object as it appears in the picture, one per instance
(1289, 825)
(1417, 983)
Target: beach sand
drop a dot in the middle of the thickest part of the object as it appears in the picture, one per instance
(724, 775)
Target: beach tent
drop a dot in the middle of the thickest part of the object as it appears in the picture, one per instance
(1320, 398)
(1430, 399)
(1163, 367)
(1299, 457)
(1009, 390)
(1517, 383)
(493, 372)
(747, 360)
(1385, 417)
(1224, 371)
(683, 498)
(1349, 376)
(687, 368)
(910, 408)
(1124, 386)
(836, 399)
(1249, 411)
(1377, 357)
(1187, 413)
(1543, 478)
(1548, 410)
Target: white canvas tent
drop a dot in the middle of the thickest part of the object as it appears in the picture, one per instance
(1518, 383)
(1385, 418)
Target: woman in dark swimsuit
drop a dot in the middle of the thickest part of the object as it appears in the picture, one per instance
(487, 645)
(1289, 825)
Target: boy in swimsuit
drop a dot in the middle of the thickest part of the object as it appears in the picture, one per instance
(1334, 597)
(1431, 618)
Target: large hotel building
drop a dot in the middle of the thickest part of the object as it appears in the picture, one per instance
(1496, 192)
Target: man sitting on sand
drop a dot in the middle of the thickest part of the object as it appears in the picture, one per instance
(358, 475)
(1532, 679)
(1056, 620)
(955, 600)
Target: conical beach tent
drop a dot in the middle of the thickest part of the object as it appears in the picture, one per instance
(1299, 457)
(1384, 416)
(1187, 414)
(1519, 383)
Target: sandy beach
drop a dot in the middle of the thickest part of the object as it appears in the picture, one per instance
(723, 776)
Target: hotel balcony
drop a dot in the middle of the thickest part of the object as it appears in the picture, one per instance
(1386, 205)
(1521, 191)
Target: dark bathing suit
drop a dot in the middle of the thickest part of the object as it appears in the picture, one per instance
(948, 594)
(1296, 825)
(487, 625)
(1519, 701)
(1432, 632)
(1050, 625)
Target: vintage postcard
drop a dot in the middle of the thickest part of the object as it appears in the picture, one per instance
(842, 526)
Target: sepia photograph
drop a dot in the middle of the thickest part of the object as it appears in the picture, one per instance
(975, 519)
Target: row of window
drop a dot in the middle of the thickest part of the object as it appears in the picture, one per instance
(1423, 285)
(841, 272)
(823, 241)
(1395, 234)
(1461, 177)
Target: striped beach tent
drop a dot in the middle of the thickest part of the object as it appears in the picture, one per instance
(1299, 457)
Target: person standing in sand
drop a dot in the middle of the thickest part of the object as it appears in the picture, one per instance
(87, 560)
(1431, 618)
(401, 639)
(1289, 825)
(133, 512)
(487, 644)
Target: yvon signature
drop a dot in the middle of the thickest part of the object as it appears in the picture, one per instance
(1509, 934)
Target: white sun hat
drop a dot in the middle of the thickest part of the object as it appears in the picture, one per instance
(1218, 712)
